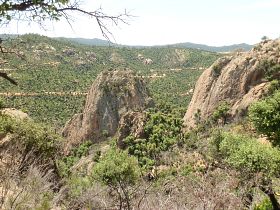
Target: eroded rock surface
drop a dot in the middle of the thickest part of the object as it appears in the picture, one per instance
(238, 79)
(132, 123)
(112, 95)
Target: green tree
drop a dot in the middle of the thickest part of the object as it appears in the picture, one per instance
(162, 131)
(265, 38)
(255, 161)
(221, 113)
(119, 171)
(265, 116)
(39, 11)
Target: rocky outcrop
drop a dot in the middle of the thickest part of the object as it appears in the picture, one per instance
(14, 113)
(237, 79)
(113, 94)
(132, 123)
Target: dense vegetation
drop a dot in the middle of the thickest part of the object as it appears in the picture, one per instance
(214, 166)
(162, 130)
(230, 48)
(51, 65)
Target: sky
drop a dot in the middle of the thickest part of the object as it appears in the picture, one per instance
(159, 22)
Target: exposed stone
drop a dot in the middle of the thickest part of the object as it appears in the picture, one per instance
(148, 61)
(112, 95)
(131, 123)
(14, 113)
(236, 79)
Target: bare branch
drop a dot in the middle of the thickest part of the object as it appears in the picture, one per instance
(5, 76)
(39, 11)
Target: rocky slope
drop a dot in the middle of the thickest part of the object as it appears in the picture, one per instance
(113, 94)
(238, 80)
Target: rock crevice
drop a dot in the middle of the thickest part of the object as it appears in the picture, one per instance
(238, 79)
(112, 95)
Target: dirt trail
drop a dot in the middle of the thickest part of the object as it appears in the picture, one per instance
(43, 94)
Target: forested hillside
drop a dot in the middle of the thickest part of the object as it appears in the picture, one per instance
(188, 45)
(54, 76)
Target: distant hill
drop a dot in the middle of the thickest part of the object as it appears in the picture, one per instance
(100, 42)
(93, 42)
(55, 74)
(228, 48)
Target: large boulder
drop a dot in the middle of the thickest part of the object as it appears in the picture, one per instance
(237, 79)
(112, 95)
(14, 113)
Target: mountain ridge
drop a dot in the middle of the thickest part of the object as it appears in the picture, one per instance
(188, 45)
(224, 48)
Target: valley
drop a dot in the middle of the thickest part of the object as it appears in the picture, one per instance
(52, 71)
(151, 105)
(138, 128)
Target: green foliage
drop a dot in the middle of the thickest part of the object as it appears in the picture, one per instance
(265, 116)
(273, 86)
(221, 112)
(186, 170)
(36, 10)
(248, 155)
(264, 205)
(174, 87)
(197, 117)
(217, 69)
(34, 137)
(2, 104)
(76, 153)
(273, 72)
(52, 65)
(167, 174)
(271, 69)
(162, 130)
(115, 168)
(78, 184)
(6, 124)
(51, 110)
(45, 203)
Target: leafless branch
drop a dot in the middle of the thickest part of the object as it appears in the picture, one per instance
(39, 11)
(5, 76)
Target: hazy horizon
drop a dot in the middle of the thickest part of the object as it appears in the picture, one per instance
(213, 23)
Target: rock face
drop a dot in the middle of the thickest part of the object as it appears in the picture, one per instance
(131, 123)
(238, 80)
(112, 95)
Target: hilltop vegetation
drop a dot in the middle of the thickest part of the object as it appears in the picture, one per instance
(51, 65)
(188, 45)
(225, 161)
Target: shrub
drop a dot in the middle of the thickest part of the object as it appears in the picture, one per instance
(248, 155)
(33, 137)
(2, 104)
(265, 116)
(162, 131)
(217, 68)
(221, 112)
(119, 171)
(116, 167)
(273, 86)
(270, 68)
(37, 138)
(67, 162)
(264, 205)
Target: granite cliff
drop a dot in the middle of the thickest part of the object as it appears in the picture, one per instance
(238, 80)
(112, 95)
